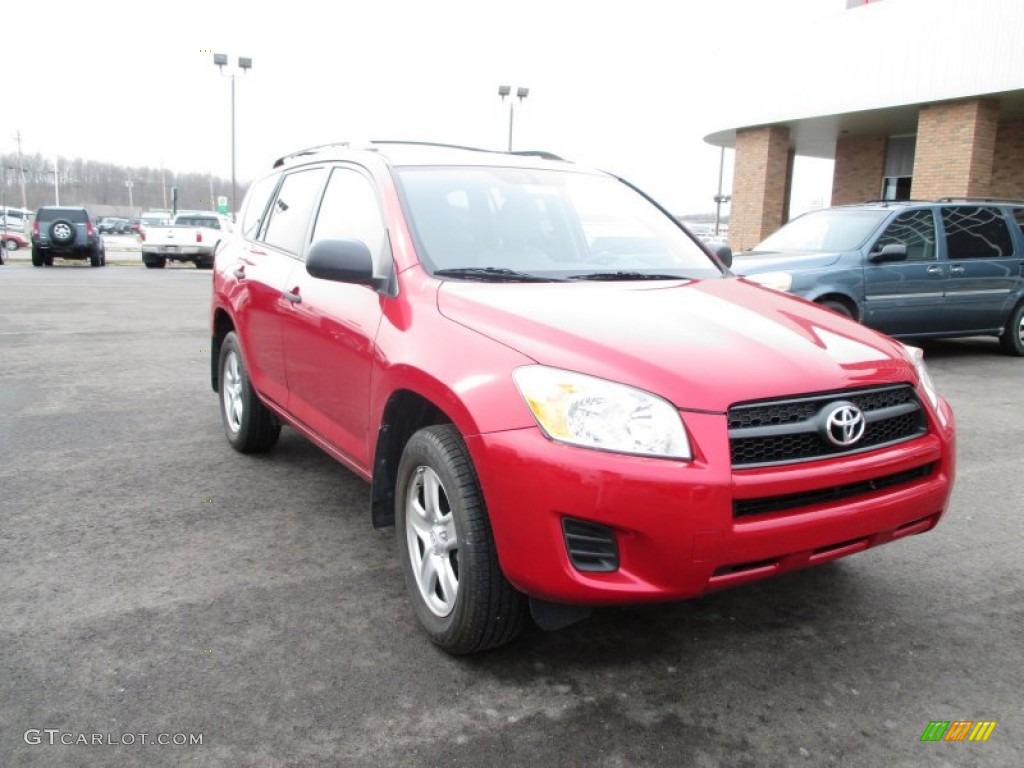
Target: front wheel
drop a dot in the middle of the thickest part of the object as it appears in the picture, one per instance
(449, 559)
(838, 307)
(250, 427)
(1012, 338)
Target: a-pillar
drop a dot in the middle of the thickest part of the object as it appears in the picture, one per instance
(760, 186)
(956, 144)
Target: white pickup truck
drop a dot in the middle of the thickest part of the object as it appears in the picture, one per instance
(193, 236)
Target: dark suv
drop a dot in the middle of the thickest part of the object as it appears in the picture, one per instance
(67, 232)
(913, 269)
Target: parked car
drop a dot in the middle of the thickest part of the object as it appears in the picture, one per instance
(948, 268)
(194, 236)
(67, 232)
(108, 225)
(559, 397)
(12, 241)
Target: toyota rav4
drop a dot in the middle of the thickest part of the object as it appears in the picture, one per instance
(559, 397)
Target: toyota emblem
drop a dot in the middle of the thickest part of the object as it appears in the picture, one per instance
(844, 425)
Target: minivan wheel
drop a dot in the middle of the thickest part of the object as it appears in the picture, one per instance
(1012, 338)
(449, 560)
(250, 427)
(838, 307)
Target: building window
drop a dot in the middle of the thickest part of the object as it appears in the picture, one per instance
(899, 167)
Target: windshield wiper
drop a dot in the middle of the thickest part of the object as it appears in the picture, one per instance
(624, 275)
(495, 274)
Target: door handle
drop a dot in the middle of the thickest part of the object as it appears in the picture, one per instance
(934, 270)
(293, 295)
(957, 269)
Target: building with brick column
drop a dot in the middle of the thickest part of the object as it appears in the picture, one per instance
(911, 99)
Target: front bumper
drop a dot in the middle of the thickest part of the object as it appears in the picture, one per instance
(675, 523)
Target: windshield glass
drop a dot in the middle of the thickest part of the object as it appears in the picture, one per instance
(555, 224)
(827, 230)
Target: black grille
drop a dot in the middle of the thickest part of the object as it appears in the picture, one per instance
(791, 501)
(591, 547)
(792, 430)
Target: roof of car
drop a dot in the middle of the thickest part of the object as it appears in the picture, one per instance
(937, 201)
(407, 153)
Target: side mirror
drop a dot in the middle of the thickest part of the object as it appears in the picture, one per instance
(724, 254)
(891, 252)
(343, 261)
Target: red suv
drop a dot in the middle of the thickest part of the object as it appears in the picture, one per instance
(559, 398)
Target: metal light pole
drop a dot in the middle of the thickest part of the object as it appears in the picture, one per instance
(131, 206)
(720, 198)
(521, 93)
(244, 64)
(56, 184)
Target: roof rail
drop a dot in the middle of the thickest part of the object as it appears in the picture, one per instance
(979, 200)
(374, 143)
(892, 202)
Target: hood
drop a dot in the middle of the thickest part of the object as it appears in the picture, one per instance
(701, 345)
(752, 262)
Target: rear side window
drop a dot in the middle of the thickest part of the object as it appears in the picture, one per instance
(914, 229)
(292, 208)
(256, 205)
(976, 233)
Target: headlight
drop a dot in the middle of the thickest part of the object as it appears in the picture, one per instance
(777, 281)
(595, 413)
(916, 356)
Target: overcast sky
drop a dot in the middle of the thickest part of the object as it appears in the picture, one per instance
(631, 87)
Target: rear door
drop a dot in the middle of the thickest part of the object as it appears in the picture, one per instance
(985, 266)
(906, 297)
(273, 236)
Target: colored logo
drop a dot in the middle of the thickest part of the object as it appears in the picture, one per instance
(958, 730)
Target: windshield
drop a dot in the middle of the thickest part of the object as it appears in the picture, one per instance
(476, 222)
(827, 230)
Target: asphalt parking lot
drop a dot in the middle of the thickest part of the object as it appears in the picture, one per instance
(153, 581)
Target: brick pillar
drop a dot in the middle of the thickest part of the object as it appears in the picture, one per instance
(1008, 173)
(860, 163)
(759, 185)
(956, 144)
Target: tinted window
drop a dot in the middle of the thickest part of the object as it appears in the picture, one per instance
(292, 208)
(76, 215)
(976, 233)
(350, 211)
(256, 204)
(1018, 214)
(914, 229)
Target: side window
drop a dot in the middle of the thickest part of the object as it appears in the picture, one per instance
(916, 230)
(256, 205)
(349, 211)
(976, 233)
(292, 208)
(1018, 214)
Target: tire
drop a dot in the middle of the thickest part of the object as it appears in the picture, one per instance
(3, 257)
(155, 263)
(204, 262)
(62, 232)
(248, 425)
(838, 307)
(37, 257)
(103, 258)
(1012, 338)
(10, 244)
(95, 259)
(450, 563)
(48, 260)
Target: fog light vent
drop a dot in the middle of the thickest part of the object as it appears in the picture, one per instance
(591, 547)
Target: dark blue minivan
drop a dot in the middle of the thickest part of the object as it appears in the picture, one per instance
(952, 267)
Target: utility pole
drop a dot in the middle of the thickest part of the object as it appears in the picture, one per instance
(21, 166)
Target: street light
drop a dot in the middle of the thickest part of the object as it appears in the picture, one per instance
(131, 206)
(521, 93)
(244, 64)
